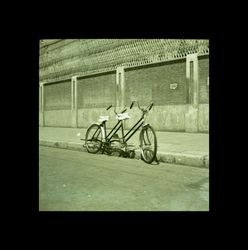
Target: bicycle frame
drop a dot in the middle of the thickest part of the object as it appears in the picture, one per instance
(120, 125)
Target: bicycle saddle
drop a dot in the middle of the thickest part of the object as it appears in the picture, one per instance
(123, 116)
(103, 118)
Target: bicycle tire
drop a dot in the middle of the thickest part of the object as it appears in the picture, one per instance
(93, 138)
(148, 148)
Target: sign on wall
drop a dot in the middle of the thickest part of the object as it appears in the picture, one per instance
(173, 86)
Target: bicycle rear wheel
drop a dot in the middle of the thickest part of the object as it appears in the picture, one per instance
(93, 139)
(148, 144)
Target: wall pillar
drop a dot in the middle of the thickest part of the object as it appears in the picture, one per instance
(74, 109)
(41, 109)
(120, 87)
(192, 76)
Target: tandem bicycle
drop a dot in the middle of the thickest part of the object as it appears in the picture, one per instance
(97, 139)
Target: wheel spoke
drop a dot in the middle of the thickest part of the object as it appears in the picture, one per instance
(93, 139)
(148, 144)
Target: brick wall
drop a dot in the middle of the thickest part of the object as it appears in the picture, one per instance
(57, 96)
(152, 83)
(97, 91)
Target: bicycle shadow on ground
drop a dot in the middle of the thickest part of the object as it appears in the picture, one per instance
(132, 155)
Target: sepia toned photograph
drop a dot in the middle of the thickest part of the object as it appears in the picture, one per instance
(124, 125)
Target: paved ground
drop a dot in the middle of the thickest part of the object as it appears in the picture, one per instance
(168, 141)
(78, 181)
(173, 147)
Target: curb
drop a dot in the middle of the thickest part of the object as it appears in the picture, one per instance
(166, 157)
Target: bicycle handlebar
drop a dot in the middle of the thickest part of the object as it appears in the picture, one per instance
(131, 105)
(109, 107)
(149, 107)
(124, 111)
(115, 109)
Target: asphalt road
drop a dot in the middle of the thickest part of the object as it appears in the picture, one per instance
(79, 181)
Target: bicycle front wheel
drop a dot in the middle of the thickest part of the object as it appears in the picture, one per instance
(93, 139)
(148, 144)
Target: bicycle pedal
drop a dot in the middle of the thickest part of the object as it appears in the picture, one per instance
(132, 155)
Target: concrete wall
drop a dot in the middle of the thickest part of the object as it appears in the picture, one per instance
(162, 118)
(87, 116)
(169, 118)
(40, 119)
(57, 118)
(203, 118)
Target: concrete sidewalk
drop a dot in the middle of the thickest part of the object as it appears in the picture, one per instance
(173, 147)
